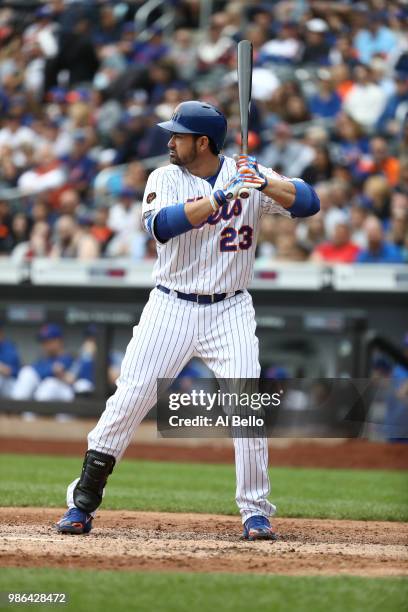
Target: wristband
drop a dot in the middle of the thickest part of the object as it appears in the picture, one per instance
(218, 199)
(265, 183)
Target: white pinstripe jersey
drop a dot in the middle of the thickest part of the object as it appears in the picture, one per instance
(218, 256)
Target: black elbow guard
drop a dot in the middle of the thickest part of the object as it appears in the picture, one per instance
(95, 471)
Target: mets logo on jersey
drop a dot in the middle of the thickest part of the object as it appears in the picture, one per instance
(225, 213)
(150, 197)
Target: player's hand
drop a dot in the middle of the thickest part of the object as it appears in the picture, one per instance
(248, 165)
(239, 186)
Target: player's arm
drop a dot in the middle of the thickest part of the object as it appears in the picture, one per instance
(176, 219)
(296, 196)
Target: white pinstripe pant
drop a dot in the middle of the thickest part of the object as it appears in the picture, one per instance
(171, 331)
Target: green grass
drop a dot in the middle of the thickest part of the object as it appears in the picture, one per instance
(167, 592)
(38, 480)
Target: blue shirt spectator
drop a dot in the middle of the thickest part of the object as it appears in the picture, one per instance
(396, 107)
(9, 355)
(325, 106)
(375, 39)
(386, 253)
(378, 250)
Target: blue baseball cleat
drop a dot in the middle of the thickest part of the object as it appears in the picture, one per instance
(75, 521)
(258, 528)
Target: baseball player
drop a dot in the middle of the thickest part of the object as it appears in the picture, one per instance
(200, 307)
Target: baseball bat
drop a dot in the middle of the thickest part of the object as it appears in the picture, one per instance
(244, 92)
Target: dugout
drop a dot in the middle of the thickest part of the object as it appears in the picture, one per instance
(312, 320)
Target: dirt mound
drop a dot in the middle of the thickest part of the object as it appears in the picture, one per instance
(127, 540)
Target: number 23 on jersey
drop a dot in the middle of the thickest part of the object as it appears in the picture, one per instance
(232, 239)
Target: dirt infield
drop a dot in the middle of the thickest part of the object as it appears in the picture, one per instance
(125, 540)
(342, 454)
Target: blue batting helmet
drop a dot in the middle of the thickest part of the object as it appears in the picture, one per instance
(198, 118)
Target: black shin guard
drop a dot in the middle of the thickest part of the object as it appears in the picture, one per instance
(95, 471)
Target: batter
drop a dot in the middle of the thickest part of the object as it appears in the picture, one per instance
(206, 237)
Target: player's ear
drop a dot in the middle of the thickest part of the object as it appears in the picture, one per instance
(203, 143)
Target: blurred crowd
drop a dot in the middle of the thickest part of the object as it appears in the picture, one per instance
(82, 86)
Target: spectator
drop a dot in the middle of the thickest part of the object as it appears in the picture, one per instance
(380, 162)
(216, 48)
(183, 53)
(100, 229)
(286, 154)
(125, 213)
(76, 55)
(44, 379)
(391, 119)
(69, 203)
(377, 191)
(9, 363)
(79, 165)
(6, 235)
(321, 168)
(20, 228)
(14, 135)
(343, 51)
(359, 212)
(296, 110)
(73, 241)
(47, 175)
(311, 232)
(378, 250)
(366, 100)
(375, 38)
(343, 83)
(351, 142)
(286, 47)
(329, 212)
(135, 178)
(38, 244)
(316, 49)
(398, 226)
(327, 102)
(340, 249)
(151, 50)
(288, 249)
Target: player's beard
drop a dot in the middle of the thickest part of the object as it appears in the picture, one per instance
(185, 160)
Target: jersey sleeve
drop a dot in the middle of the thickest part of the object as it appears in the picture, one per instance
(268, 205)
(160, 191)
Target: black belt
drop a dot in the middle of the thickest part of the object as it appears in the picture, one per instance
(197, 298)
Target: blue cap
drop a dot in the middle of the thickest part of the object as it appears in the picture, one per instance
(49, 331)
(197, 117)
(90, 331)
(382, 363)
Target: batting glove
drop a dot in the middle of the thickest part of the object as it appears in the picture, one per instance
(238, 187)
(247, 164)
